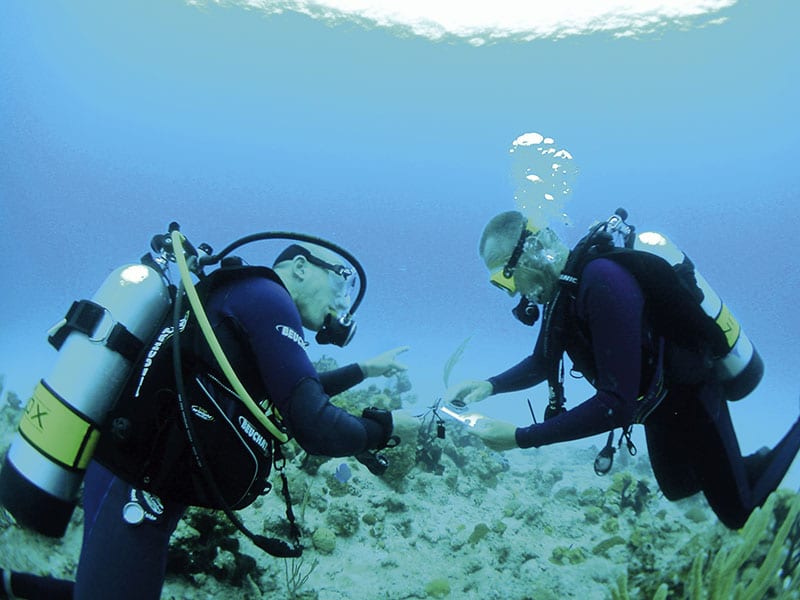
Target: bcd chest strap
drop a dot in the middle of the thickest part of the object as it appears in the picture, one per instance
(555, 315)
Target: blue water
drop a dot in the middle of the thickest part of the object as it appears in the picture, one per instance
(117, 118)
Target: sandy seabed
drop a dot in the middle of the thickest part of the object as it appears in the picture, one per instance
(450, 519)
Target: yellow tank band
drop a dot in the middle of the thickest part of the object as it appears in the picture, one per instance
(729, 325)
(52, 427)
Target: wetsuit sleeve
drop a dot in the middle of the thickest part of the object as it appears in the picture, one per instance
(338, 380)
(530, 371)
(610, 305)
(269, 321)
(322, 428)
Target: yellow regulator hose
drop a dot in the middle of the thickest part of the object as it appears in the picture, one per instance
(213, 342)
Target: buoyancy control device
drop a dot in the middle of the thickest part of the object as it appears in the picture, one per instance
(101, 342)
(739, 367)
(687, 306)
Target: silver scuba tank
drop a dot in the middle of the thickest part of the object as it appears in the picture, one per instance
(99, 342)
(742, 368)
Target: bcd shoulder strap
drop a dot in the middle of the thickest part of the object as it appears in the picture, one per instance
(672, 299)
(672, 303)
(143, 441)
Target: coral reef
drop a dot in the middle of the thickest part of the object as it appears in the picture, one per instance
(343, 518)
(754, 566)
(438, 588)
(456, 520)
(403, 457)
(758, 562)
(324, 540)
(206, 543)
(296, 573)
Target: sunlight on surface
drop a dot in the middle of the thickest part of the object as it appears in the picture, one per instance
(480, 23)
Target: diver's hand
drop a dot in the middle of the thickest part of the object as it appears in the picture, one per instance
(406, 426)
(384, 364)
(497, 435)
(403, 419)
(473, 390)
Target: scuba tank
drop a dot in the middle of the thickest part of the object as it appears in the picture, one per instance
(99, 340)
(683, 306)
(741, 368)
(682, 300)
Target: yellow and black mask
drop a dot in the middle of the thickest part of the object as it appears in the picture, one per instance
(503, 278)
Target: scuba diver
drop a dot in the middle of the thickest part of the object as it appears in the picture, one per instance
(631, 323)
(150, 465)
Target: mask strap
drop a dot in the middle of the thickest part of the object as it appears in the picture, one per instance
(508, 270)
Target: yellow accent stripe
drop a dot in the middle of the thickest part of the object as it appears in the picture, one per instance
(52, 427)
(729, 325)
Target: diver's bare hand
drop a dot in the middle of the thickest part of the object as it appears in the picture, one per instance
(497, 435)
(473, 390)
(384, 364)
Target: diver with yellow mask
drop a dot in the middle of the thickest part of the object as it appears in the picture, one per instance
(637, 323)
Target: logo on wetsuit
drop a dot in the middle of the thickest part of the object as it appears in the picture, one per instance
(290, 333)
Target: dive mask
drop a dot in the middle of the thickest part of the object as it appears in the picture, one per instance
(542, 255)
(295, 249)
(336, 329)
(504, 278)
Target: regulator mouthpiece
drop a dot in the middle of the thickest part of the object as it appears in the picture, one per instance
(337, 331)
(526, 312)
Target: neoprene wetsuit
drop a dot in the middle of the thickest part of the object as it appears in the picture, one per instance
(690, 437)
(124, 561)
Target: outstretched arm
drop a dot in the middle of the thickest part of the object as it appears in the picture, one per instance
(341, 379)
(610, 304)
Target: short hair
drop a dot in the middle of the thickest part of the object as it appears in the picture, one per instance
(506, 229)
(289, 253)
(304, 249)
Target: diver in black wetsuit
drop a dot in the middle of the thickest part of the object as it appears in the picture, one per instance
(690, 437)
(260, 321)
